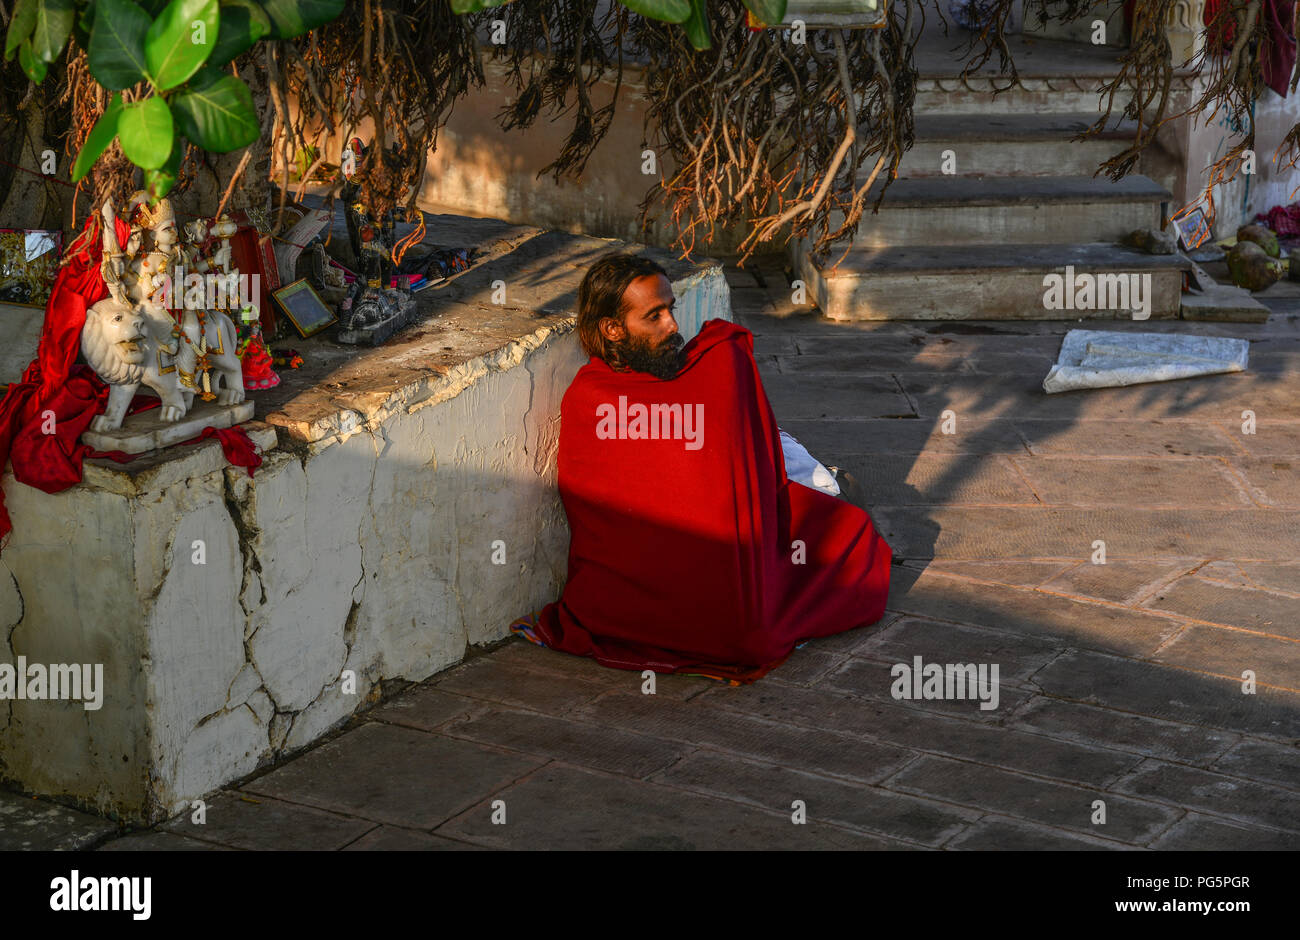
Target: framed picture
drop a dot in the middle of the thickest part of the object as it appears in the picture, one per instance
(304, 308)
(1192, 228)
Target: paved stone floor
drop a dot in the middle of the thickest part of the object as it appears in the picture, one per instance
(1119, 683)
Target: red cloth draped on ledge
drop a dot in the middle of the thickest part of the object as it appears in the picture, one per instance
(693, 552)
(72, 393)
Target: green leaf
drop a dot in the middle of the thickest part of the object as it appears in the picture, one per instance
(216, 112)
(159, 182)
(20, 26)
(97, 141)
(31, 62)
(145, 131)
(473, 6)
(172, 49)
(243, 23)
(116, 53)
(697, 25)
(153, 7)
(666, 11)
(295, 17)
(767, 12)
(54, 20)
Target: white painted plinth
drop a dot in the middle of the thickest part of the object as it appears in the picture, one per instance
(145, 430)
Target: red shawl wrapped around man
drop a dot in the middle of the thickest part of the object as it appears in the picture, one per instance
(690, 550)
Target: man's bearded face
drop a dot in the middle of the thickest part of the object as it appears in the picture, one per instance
(663, 361)
(650, 341)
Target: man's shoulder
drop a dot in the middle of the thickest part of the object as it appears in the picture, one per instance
(593, 377)
(715, 336)
(724, 329)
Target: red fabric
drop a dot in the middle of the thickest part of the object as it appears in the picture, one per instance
(681, 560)
(77, 288)
(1214, 40)
(48, 382)
(1277, 58)
(251, 255)
(239, 449)
(52, 462)
(1283, 220)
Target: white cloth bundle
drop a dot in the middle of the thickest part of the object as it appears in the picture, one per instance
(802, 467)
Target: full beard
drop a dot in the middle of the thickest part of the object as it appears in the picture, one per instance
(663, 361)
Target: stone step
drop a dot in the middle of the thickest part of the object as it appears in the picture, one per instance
(982, 282)
(940, 56)
(1011, 145)
(977, 210)
(1054, 76)
(976, 95)
(1074, 94)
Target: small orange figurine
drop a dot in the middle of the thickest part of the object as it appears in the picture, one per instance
(253, 353)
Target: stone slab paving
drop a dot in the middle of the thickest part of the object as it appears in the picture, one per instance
(1120, 685)
(32, 824)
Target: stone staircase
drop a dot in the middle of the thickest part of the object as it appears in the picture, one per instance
(1020, 204)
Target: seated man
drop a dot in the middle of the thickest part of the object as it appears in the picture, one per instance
(690, 550)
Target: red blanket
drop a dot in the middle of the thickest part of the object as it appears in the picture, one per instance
(690, 550)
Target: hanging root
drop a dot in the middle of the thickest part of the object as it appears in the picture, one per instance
(575, 50)
(113, 175)
(774, 135)
(395, 66)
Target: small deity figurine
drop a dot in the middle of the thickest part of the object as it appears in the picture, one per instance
(253, 354)
(192, 250)
(138, 276)
(113, 267)
(154, 269)
(203, 338)
(371, 239)
(149, 331)
(223, 228)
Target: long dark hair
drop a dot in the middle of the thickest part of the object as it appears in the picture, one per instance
(601, 295)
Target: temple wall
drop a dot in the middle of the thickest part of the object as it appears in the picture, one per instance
(1237, 202)
(479, 170)
(1275, 184)
(478, 165)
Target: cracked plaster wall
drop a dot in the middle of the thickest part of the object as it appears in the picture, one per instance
(372, 552)
(67, 595)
